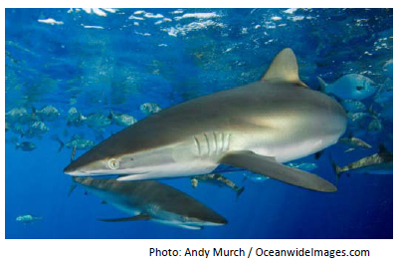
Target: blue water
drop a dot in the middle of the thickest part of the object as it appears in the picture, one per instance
(164, 57)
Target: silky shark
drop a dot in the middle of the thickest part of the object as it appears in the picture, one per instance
(150, 200)
(255, 127)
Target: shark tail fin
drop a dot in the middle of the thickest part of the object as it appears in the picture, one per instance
(239, 191)
(336, 168)
(111, 115)
(33, 109)
(57, 139)
(322, 84)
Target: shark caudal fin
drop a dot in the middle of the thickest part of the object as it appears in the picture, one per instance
(335, 168)
(269, 167)
(58, 140)
(284, 68)
(239, 192)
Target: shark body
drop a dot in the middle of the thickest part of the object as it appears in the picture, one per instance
(255, 127)
(150, 200)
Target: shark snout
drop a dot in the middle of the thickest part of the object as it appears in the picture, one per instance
(74, 171)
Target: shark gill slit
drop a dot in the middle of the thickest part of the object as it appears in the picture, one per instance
(222, 142)
(208, 144)
(196, 141)
(216, 142)
(228, 142)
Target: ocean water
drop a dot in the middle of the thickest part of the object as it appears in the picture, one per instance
(116, 60)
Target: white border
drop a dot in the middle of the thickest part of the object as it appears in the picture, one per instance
(135, 251)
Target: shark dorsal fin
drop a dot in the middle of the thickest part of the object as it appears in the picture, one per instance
(284, 68)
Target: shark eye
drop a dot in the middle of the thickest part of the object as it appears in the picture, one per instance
(360, 88)
(113, 163)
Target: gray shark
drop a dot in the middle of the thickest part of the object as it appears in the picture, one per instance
(255, 127)
(150, 200)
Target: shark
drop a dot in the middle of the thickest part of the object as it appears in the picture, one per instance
(151, 200)
(254, 127)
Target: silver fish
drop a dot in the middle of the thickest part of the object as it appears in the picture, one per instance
(27, 219)
(150, 108)
(122, 119)
(351, 86)
(380, 163)
(218, 180)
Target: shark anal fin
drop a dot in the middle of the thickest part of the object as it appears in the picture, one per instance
(142, 216)
(269, 167)
(284, 68)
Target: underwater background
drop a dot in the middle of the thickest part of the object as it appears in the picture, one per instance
(65, 64)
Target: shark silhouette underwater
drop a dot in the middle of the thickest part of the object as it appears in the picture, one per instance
(255, 127)
(153, 201)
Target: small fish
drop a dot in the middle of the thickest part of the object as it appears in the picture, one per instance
(20, 115)
(97, 121)
(353, 105)
(354, 142)
(122, 119)
(27, 219)
(359, 120)
(375, 126)
(38, 128)
(303, 166)
(24, 146)
(218, 180)
(388, 68)
(77, 142)
(351, 86)
(19, 128)
(350, 150)
(380, 163)
(75, 118)
(257, 178)
(150, 108)
(80, 144)
(47, 113)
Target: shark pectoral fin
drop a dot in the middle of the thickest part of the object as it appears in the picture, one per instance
(284, 68)
(142, 216)
(269, 167)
